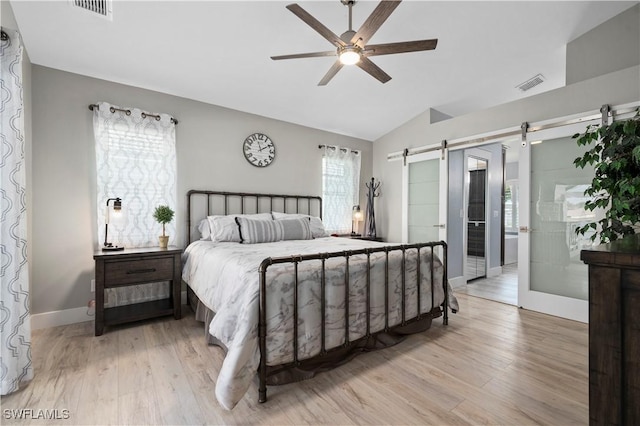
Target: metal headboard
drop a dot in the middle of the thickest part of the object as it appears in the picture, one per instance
(223, 202)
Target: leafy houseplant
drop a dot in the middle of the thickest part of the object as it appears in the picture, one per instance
(163, 215)
(616, 184)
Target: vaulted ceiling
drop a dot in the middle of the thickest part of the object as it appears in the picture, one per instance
(219, 52)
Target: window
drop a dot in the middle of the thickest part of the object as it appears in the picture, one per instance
(511, 206)
(340, 187)
(135, 161)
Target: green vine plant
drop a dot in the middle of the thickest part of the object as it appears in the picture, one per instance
(163, 215)
(616, 185)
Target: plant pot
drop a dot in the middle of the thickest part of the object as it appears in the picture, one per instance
(164, 241)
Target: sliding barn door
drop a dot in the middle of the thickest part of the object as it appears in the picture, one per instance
(551, 277)
(424, 198)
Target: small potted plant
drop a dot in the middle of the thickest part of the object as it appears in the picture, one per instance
(163, 215)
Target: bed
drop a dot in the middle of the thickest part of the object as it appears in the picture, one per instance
(290, 308)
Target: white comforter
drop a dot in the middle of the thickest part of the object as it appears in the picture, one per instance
(225, 277)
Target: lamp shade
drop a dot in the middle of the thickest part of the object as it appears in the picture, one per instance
(357, 213)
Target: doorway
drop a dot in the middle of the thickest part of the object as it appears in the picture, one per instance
(487, 214)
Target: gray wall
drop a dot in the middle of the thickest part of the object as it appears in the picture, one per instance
(455, 213)
(209, 153)
(8, 20)
(611, 46)
(511, 171)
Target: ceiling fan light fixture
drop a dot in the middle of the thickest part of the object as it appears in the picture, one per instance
(349, 55)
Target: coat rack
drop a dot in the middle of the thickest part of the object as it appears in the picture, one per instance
(370, 224)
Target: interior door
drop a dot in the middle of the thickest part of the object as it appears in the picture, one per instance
(551, 277)
(424, 197)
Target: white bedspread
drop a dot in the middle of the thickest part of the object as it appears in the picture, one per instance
(225, 278)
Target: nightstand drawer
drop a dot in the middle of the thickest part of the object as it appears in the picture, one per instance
(138, 271)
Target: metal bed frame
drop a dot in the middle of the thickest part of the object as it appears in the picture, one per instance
(406, 326)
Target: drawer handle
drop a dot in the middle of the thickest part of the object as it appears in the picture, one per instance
(141, 271)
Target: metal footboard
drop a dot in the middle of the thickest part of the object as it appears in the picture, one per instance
(435, 311)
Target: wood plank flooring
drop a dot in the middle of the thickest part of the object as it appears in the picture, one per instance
(493, 364)
(502, 288)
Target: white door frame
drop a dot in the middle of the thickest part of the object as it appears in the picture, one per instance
(443, 191)
(561, 306)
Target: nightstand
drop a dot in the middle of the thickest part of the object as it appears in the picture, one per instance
(137, 266)
(359, 237)
(364, 237)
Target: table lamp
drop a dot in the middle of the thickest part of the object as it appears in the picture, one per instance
(357, 217)
(117, 212)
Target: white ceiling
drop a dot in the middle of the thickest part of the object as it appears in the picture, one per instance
(218, 52)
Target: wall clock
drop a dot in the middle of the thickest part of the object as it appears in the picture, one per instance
(259, 150)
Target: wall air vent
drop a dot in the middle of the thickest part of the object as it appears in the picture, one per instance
(532, 82)
(99, 7)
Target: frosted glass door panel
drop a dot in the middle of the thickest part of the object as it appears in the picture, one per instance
(424, 204)
(557, 209)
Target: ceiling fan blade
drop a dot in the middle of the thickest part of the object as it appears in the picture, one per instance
(304, 55)
(366, 64)
(332, 71)
(374, 21)
(316, 25)
(400, 47)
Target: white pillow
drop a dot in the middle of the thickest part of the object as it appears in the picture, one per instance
(317, 227)
(205, 229)
(263, 231)
(225, 228)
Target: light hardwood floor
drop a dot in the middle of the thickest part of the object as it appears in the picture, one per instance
(502, 288)
(493, 364)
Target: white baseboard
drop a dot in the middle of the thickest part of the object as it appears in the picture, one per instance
(457, 282)
(64, 317)
(71, 316)
(494, 272)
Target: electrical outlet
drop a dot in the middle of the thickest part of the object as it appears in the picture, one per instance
(93, 285)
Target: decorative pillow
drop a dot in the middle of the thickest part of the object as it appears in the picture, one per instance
(225, 229)
(317, 227)
(205, 229)
(296, 229)
(263, 231)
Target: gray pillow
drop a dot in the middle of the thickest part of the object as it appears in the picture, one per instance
(296, 229)
(264, 231)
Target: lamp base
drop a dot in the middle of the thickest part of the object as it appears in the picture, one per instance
(112, 248)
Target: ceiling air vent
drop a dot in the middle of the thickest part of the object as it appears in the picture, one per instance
(99, 7)
(532, 82)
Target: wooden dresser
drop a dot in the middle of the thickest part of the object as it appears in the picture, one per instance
(614, 332)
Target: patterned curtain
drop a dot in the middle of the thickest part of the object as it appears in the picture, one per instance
(340, 187)
(15, 324)
(135, 161)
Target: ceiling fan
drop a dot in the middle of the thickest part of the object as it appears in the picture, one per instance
(352, 47)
